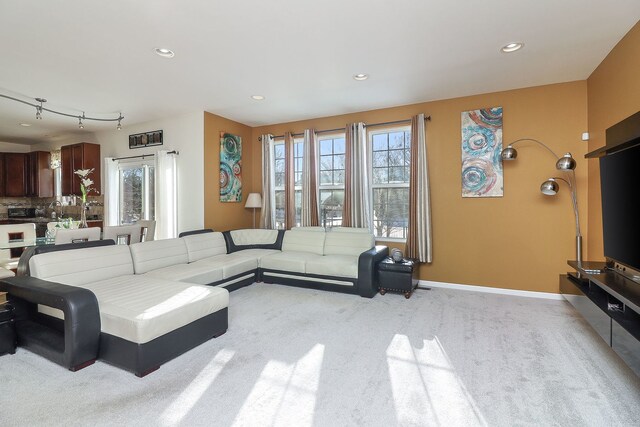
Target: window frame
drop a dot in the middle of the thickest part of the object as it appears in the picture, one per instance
(298, 142)
(373, 186)
(333, 186)
(146, 165)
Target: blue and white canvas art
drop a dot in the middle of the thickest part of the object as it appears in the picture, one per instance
(481, 147)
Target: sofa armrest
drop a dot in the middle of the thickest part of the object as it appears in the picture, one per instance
(79, 346)
(368, 270)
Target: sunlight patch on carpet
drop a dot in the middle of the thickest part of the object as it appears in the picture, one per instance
(285, 394)
(180, 407)
(425, 386)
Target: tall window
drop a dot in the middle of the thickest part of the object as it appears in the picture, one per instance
(298, 151)
(279, 165)
(136, 192)
(332, 159)
(391, 159)
(280, 177)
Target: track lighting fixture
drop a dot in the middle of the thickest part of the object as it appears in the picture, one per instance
(39, 108)
(38, 105)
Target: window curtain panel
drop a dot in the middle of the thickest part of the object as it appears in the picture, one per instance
(111, 192)
(310, 214)
(268, 211)
(356, 211)
(289, 183)
(166, 195)
(419, 239)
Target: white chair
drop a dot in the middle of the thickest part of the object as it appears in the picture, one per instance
(123, 234)
(9, 257)
(4, 273)
(148, 229)
(73, 235)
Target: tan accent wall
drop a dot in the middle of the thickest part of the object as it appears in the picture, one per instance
(520, 241)
(219, 215)
(613, 95)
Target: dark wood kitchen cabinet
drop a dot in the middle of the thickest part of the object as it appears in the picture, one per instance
(79, 156)
(26, 174)
(39, 174)
(2, 175)
(15, 174)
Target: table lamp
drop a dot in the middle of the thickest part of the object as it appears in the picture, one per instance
(254, 200)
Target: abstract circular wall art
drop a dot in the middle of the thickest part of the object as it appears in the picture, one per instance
(481, 147)
(230, 168)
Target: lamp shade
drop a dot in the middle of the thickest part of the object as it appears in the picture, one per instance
(549, 187)
(566, 163)
(509, 153)
(254, 200)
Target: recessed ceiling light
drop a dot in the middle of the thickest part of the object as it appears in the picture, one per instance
(25, 124)
(512, 47)
(361, 76)
(257, 97)
(164, 52)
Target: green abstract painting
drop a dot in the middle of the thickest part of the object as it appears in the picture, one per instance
(230, 168)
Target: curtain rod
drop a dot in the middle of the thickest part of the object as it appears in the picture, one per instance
(143, 156)
(396, 122)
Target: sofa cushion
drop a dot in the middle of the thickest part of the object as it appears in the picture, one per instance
(157, 254)
(205, 245)
(350, 230)
(199, 274)
(303, 241)
(257, 254)
(80, 266)
(315, 228)
(254, 237)
(139, 308)
(230, 264)
(333, 265)
(288, 261)
(345, 243)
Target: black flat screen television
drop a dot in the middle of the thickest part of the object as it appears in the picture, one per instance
(620, 189)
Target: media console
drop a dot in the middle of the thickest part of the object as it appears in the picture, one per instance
(610, 303)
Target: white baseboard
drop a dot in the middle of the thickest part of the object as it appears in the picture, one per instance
(489, 290)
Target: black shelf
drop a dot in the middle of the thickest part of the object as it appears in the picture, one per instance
(626, 290)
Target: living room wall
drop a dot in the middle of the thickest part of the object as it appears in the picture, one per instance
(218, 215)
(519, 241)
(613, 95)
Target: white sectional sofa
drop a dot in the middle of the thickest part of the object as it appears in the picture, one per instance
(131, 320)
(138, 306)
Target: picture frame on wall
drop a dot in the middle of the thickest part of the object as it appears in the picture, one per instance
(146, 139)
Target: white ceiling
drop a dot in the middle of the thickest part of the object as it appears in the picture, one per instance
(97, 56)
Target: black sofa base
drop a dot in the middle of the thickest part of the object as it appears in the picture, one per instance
(142, 359)
(240, 283)
(306, 283)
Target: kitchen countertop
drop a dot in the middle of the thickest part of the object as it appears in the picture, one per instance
(42, 219)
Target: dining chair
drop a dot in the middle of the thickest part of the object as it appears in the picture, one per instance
(74, 235)
(123, 234)
(148, 229)
(9, 257)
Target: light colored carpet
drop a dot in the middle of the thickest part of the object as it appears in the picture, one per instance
(299, 357)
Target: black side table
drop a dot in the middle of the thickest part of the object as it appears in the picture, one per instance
(8, 338)
(397, 276)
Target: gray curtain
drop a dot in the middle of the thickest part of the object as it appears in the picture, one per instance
(419, 239)
(357, 204)
(268, 212)
(310, 215)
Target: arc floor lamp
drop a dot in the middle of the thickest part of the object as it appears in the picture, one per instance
(551, 187)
